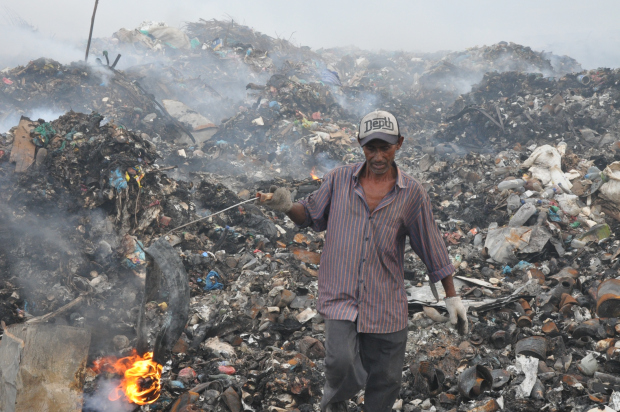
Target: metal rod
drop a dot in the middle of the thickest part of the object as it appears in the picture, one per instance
(116, 61)
(90, 35)
(212, 214)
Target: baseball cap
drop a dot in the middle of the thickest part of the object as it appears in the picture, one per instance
(378, 125)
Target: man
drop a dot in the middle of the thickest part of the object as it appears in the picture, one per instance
(368, 209)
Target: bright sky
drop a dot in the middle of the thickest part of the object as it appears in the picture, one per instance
(586, 30)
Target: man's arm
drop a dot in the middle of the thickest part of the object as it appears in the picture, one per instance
(313, 211)
(427, 243)
(297, 214)
(448, 286)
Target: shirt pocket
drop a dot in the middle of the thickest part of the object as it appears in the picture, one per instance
(386, 233)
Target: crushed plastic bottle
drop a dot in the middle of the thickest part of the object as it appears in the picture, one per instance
(511, 184)
(523, 214)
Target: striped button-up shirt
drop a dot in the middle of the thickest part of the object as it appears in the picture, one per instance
(361, 275)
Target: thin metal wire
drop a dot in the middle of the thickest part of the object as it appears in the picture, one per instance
(212, 214)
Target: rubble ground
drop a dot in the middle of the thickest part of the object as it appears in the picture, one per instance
(517, 149)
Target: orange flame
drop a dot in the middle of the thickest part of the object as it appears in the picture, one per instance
(314, 176)
(141, 377)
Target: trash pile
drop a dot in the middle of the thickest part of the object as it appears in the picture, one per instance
(133, 217)
(47, 88)
(532, 234)
(500, 57)
(511, 108)
(101, 197)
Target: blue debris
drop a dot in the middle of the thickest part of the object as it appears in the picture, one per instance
(117, 180)
(212, 281)
(553, 216)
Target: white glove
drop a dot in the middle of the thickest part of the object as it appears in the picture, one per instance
(458, 314)
(281, 200)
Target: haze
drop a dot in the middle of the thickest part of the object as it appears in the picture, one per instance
(586, 31)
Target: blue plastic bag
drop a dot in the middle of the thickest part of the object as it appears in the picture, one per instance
(212, 281)
(117, 180)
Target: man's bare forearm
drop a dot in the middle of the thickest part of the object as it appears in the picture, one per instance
(297, 213)
(448, 286)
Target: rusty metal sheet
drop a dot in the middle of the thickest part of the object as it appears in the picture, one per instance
(22, 153)
(51, 367)
(307, 256)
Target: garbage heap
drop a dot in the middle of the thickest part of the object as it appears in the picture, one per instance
(531, 233)
(77, 222)
(512, 108)
(48, 89)
(501, 57)
(522, 173)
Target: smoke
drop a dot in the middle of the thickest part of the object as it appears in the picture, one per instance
(583, 31)
(12, 119)
(98, 401)
(358, 104)
(22, 44)
(42, 249)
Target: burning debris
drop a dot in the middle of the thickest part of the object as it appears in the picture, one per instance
(140, 382)
(128, 216)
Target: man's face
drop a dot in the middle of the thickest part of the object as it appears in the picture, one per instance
(380, 155)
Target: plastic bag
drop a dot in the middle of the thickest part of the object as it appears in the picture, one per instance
(545, 164)
(212, 281)
(568, 204)
(611, 189)
(171, 36)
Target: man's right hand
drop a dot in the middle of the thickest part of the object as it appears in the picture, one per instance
(280, 201)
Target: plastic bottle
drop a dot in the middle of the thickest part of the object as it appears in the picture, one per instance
(478, 240)
(548, 193)
(537, 186)
(538, 202)
(577, 244)
(511, 184)
(513, 202)
(565, 189)
(523, 214)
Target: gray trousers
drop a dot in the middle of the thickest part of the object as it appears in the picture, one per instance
(356, 360)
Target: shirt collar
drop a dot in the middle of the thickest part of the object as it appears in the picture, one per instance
(400, 180)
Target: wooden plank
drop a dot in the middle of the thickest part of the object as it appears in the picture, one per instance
(22, 153)
(478, 282)
(50, 362)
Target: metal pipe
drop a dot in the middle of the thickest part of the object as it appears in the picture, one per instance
(535, 346)
(474, 381)
(608, 299)
(90, 35)
(584, 79)
(116, 61)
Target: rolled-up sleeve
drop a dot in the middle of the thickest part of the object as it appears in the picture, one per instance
(317, 205)
(426, 240)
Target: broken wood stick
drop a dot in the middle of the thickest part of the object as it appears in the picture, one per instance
(60, 311)
(161, 169)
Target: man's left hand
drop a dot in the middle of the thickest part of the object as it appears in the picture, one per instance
(458, 314)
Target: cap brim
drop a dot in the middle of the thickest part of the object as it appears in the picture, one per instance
(390, 138)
